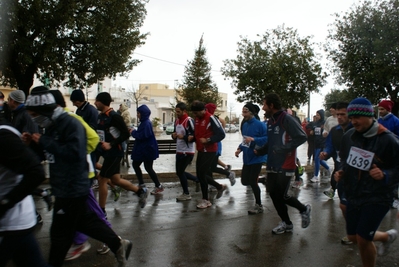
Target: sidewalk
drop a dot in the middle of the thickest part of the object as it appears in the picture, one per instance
(164, 166)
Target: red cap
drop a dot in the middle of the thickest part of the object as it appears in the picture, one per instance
(387, 104)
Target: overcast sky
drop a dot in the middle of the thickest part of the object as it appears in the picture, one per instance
(176, 26)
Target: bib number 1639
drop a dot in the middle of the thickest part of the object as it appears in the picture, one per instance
(360, 159)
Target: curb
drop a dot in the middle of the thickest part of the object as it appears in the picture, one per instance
(172, 177)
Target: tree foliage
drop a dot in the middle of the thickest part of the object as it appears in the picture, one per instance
(336, 95)
(197, 80)
(75, 42)
(363, 45)
(280, 61)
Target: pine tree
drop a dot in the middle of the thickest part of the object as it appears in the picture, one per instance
(197, 81)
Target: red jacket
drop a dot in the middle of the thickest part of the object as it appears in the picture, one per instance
(208, 127)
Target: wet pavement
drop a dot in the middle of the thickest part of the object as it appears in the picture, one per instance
(170, 233)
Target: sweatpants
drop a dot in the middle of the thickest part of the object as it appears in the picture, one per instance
(71, 215)
(278, 185)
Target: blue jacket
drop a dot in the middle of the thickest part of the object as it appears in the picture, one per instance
(391, 122)
(145, 145)
(256, 129)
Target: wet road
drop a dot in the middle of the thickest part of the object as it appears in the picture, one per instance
(170, 233)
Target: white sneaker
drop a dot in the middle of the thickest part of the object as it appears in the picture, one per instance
(315, 179)
(75, 251)
(204, 204)
(383, 249)
(183, 197)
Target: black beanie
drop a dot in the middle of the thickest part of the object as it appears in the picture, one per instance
(59, 98)
(104, 98)
(250, 107)
(77, 95)
(41, 101)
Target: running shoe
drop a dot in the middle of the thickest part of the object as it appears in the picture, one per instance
(301, 170)
(48, 198)
(95, 185)
(297, 184)
(228, 168)
(329, 193)
(306, 216)
(395, 204)
(143, 196)
(256, 210)
(204, 204)
(220, 191)
(345, 241)
(282, 228)
(183, 197)
(383, 248)
(232, 178)
(76, 250)
(122, 254)
(104, 249)
(39, 219)
(315, 179)
(157, 190)
(117, 192)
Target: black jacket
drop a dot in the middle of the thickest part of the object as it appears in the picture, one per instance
(360, 187)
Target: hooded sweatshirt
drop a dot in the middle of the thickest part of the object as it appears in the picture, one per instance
(145, 146)
(318, 127)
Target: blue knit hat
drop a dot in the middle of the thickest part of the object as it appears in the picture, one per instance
(360, 107)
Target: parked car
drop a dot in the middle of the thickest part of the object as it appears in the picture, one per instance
(165, 125)
(230, 128)
(170, 129)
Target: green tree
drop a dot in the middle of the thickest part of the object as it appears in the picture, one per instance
(281, 62)
(227, 119)
(72, 42)
(363, 45)
(337, 95)
(197, 80)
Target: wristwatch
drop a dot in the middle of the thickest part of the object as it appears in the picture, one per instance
(208, 140)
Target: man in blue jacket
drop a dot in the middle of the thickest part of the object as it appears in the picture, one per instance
(254, 135)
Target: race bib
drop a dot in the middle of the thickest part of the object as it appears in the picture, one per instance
(360, 159)
(114, 132)
(101, 134)
(243, 143)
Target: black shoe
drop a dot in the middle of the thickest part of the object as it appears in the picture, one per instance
(39, 219)
(48, 199)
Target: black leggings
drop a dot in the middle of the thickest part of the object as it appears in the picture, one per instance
(249, 176)
(216, 169)
(148, 167)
